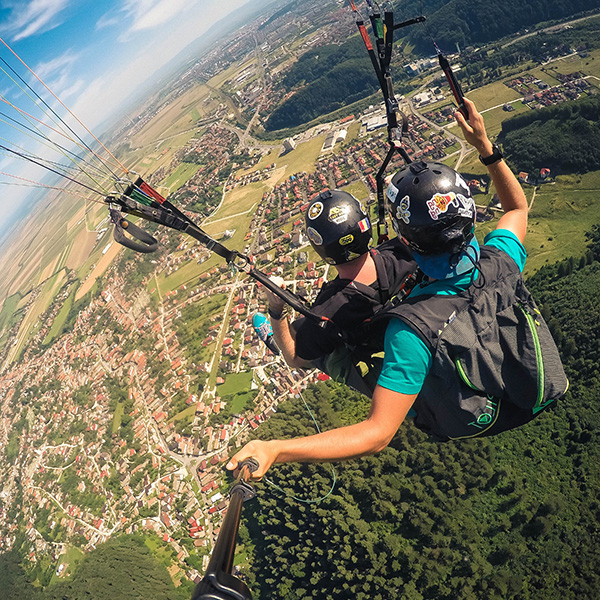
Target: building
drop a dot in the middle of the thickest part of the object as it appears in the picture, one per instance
(289, 144)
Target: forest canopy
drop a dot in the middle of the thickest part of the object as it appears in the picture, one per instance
(468, 22)
(564, 138)
(499, 518)
(326, 79)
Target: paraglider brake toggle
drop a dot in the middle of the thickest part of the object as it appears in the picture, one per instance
(145, 242)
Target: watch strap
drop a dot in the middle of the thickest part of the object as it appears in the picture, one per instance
(494, 157)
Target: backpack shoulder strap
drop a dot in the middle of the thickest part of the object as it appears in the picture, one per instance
(429, 315)
(382, 275)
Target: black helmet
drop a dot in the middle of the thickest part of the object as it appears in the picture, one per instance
(432, 208)
(338, 227)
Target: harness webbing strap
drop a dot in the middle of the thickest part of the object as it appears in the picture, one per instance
(365, 36)
(389, 38)
(382, 275)
(383, 31)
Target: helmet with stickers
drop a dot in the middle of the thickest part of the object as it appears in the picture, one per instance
(338, 227)
(431, 207)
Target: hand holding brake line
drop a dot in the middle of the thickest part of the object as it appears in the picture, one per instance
(276, 304)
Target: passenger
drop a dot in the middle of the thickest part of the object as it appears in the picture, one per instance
(345, 347)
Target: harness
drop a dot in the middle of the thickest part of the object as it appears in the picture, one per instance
(352, 306)
(494, 363)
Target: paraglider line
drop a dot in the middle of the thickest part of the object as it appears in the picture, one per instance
(104, 163)
(35, 162)
(63, 104)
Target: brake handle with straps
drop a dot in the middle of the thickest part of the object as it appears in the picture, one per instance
(168, 215)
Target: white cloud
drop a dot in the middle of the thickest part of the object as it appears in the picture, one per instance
(103, 95)
(141, 15)
(33, 17)
(107, 20)
(57, 74)
(151, 13)
(72, 89)
(59, 64)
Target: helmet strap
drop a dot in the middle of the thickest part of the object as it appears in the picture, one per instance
(478, 282)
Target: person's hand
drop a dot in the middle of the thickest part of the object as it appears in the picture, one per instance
(263, 452)
(474, 129)
(276, 304)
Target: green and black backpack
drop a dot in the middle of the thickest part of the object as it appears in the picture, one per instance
(495, 365)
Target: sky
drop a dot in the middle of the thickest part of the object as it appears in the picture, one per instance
(92, 54)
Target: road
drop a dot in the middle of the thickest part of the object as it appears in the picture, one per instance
(546, 30)
(464, 147)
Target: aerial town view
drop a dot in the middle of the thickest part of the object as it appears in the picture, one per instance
(129, 379)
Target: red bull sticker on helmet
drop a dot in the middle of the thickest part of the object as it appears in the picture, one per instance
(440, 203)
(314, 236)
(315, 210)
(338, 214)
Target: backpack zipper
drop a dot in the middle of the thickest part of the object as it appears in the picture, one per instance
(538, 357)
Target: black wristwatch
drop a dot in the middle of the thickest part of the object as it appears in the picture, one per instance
(494, 157)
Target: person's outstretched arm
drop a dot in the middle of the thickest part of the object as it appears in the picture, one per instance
(388, 410)
(509, 190)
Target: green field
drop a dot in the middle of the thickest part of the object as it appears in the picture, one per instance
(235, 383)
(239, 402)
(303, 158)
(8, 311)
(588, 65)
(358, 189)
(61, 316)
(237, 201)
(561, 215)
(31, 321)
(492, 94)
(188, 413)
(72, 557)
(159, 549)
(180, 175)
(117, 417)
(353, 132)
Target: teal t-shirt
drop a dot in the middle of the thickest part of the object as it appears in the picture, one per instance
(407, 359)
